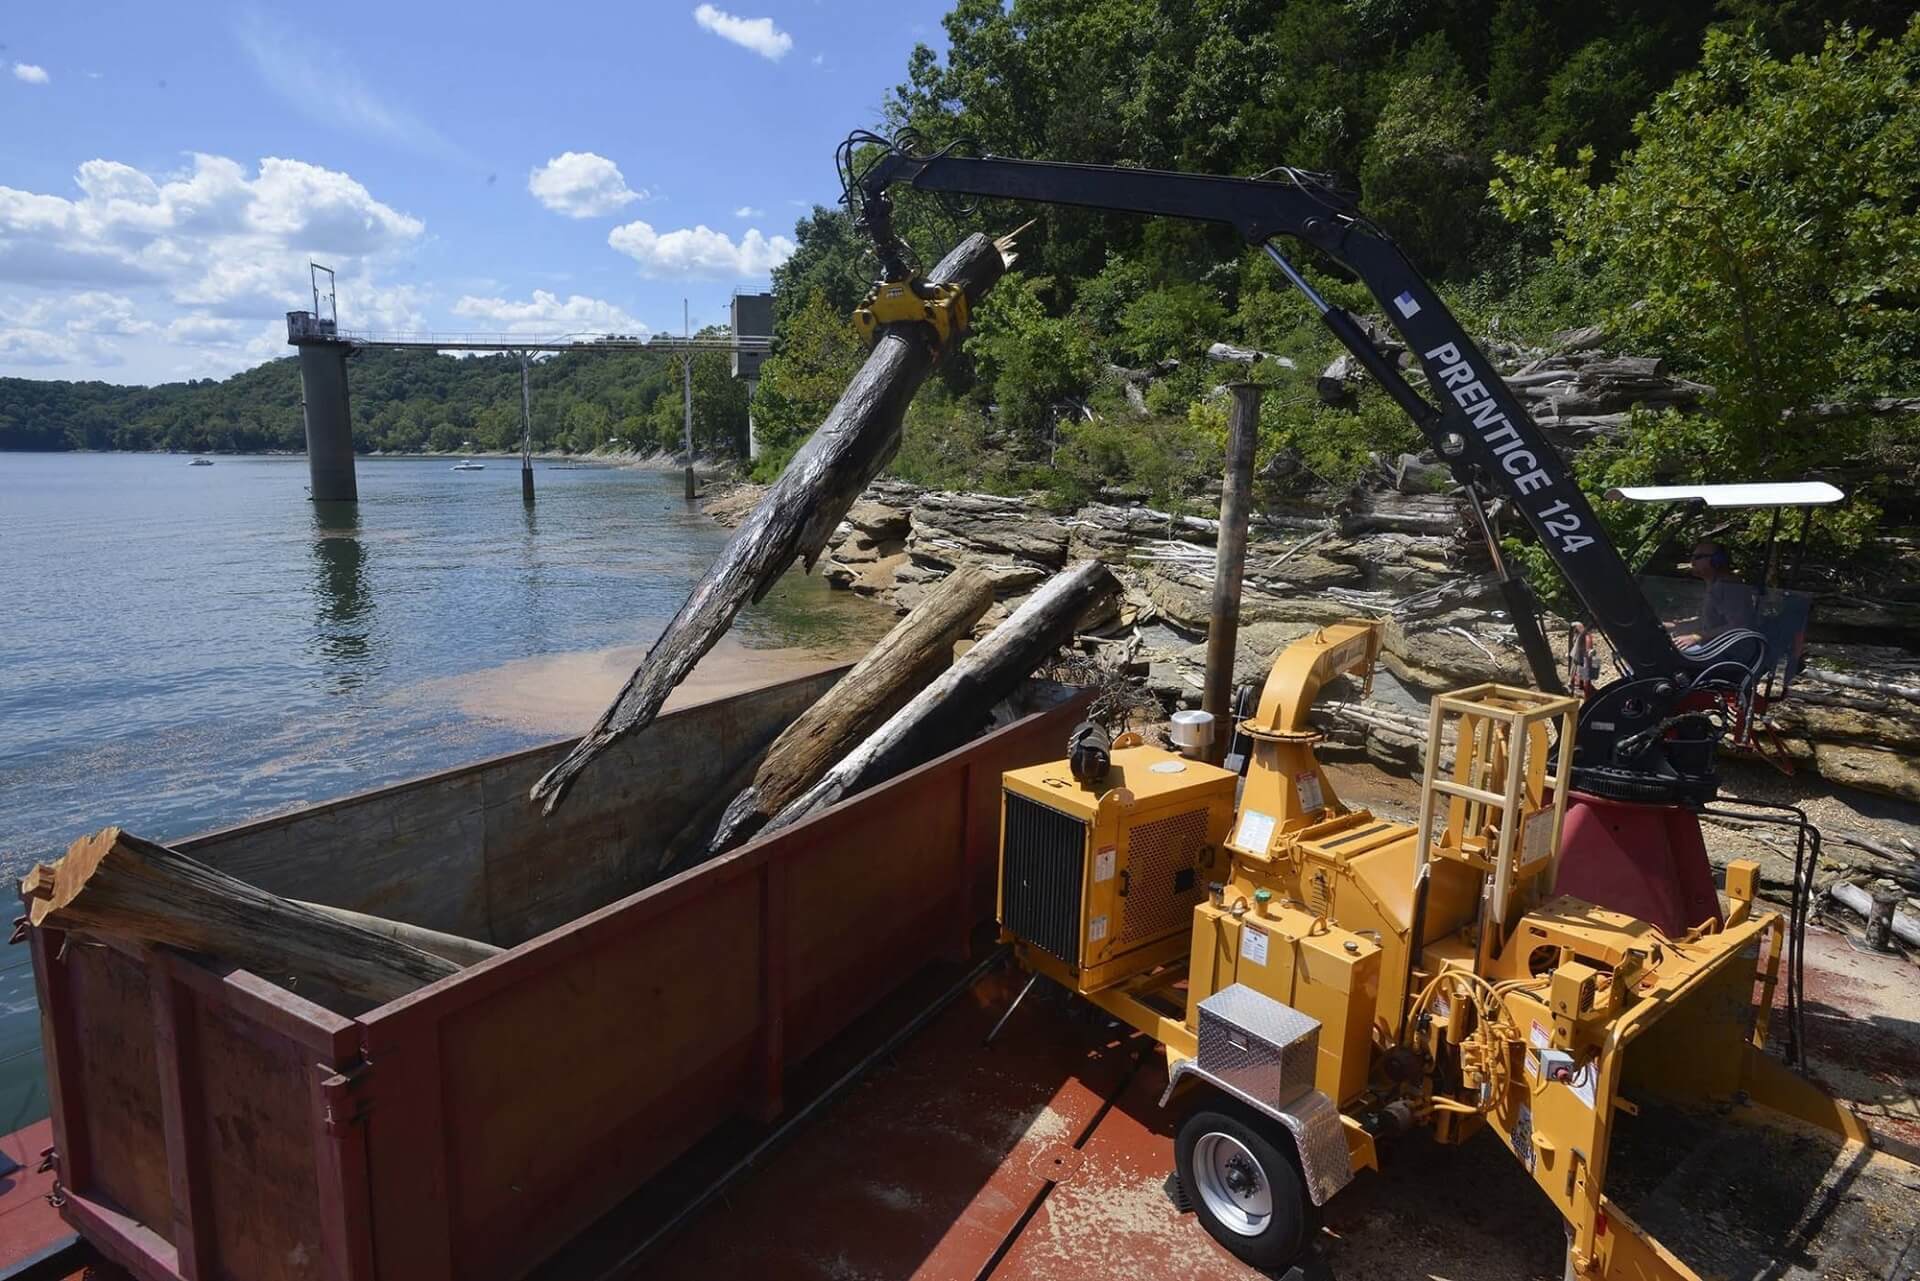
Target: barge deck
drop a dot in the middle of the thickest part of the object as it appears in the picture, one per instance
(912, 1149)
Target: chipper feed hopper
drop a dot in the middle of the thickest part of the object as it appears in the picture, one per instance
(1323, 979)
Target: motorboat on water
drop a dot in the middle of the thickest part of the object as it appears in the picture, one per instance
(201, 462)
(469, 466)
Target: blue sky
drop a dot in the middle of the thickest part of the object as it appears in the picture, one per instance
(166, 170)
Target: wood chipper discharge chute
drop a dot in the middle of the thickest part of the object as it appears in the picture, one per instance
(1323, 979)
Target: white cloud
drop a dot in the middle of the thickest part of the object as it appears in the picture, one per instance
(366, 304)
(214, 236)
(198, 330)
(136, 265)
(700, 251)
(748, 211)
(757, 34)
(69, 329)
(21, 347)
(548, 313)
(581, 185)
(31, 74)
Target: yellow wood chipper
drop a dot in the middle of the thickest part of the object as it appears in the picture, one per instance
(1323, 979)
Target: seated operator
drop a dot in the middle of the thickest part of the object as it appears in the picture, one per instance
(1728, 605)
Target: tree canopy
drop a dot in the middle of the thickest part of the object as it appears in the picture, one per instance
(401, 401)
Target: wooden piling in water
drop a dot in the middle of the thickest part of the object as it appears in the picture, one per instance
(1230, 558)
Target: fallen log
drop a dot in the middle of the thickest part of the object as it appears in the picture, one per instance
(1335, 383)
(1641, 367)
(118, 885)
(1866, 684)
(796, 517)
(1540, 378)
(1585, 338)
(945, 712)
(1231, 354)
(916, 651)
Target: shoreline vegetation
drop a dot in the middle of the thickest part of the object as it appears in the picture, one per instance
(663, 460)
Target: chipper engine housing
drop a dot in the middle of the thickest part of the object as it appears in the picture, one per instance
(1106, 881)
(1322, 979)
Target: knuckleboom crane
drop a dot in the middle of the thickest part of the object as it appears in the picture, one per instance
(1321, 978)
(1647, 738)
(1638, 735)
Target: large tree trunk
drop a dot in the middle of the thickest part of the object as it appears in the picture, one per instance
(942, 715)
(118, 885)
(909, 656)
(453, 947)
(796, 517)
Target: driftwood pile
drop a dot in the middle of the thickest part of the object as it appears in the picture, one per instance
(902, 705)
(907, 659)
(1574, 391)
(795, 519)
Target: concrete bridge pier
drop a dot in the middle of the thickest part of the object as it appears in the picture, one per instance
(323, 385)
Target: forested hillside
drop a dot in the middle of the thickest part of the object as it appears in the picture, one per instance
(401, 401)
(1729, 186)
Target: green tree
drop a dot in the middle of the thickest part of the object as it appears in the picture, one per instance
(719, 405)
(817, 354)
(1764, 232)
(1427, 163)
(1176, 322)
(1591, 100)
(1028, 362)
(830, 258)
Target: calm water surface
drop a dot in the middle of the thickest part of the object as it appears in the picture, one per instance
(185, 647)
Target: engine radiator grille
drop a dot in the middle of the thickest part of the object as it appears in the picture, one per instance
(1041, 874)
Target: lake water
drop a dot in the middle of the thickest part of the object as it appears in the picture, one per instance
(185, 647)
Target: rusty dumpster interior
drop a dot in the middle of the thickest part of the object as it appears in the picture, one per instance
(211, 1124)
(465, 853)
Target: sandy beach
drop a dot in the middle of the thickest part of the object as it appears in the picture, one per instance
(563, 694)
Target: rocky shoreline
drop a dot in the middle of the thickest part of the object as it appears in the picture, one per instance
(1444, 629)
(1400, 549)
(1444, 626)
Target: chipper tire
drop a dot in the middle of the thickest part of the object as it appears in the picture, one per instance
(1243, 1184)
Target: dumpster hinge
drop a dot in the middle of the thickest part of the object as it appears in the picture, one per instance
(343, 1091)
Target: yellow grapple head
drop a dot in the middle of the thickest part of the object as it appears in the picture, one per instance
(943, 308)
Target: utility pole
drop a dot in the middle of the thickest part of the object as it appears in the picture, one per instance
(686, 389)
(526, 432)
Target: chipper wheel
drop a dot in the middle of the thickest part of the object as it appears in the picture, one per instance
(1243, 1183)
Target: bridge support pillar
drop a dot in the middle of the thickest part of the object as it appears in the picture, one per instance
(686, 404)
(323, 384)
(526, 430)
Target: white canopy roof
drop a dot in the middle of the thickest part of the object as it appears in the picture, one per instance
(1785, 493)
